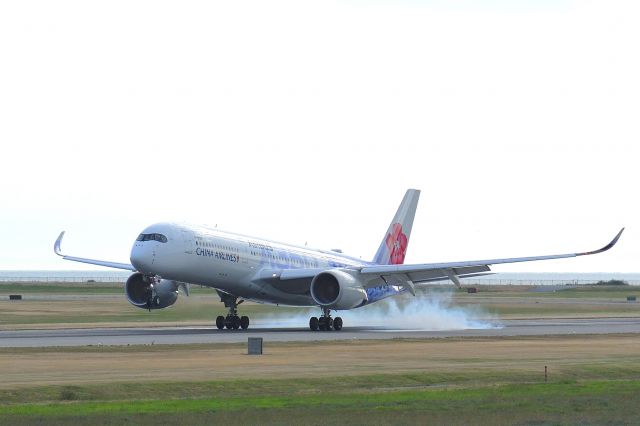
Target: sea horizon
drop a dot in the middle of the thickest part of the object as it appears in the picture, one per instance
(537, 278)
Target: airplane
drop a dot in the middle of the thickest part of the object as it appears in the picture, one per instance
(167, 257)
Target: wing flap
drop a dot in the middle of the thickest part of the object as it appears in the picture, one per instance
(442, 274)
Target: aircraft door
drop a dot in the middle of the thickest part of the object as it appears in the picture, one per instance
(189, 241)
(244, 254)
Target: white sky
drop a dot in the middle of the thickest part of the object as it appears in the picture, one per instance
(307, 121)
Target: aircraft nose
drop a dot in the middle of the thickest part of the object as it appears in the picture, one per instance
(141, 258)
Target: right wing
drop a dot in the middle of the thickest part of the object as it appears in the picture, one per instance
(56, 248)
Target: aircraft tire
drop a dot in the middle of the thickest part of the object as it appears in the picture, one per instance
(329, 324)
(313, 324)
(322, 322)
(337, 324)
(220, 322)
(228, 323)
(244, 322)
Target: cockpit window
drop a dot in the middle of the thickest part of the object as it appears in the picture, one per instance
(152, 237)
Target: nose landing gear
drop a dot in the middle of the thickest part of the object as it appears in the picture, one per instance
(325, 322)
(232, 321)
(152, 298)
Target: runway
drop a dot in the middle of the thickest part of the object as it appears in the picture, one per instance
(189, 335)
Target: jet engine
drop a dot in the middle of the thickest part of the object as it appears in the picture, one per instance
(149, 292)
(337, 289)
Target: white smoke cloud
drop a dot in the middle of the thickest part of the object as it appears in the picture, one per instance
(432, 311)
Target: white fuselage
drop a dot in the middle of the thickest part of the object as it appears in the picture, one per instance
(230, 262)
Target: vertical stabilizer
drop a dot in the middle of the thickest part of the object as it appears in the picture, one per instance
(393, 247)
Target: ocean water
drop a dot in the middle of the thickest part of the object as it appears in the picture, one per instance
(522, 278)
(64, 276)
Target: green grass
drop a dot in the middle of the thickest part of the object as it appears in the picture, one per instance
(345, 385)
(607, 292)
(592, 402)
(256, 388)
(593, 392)
(603, 391)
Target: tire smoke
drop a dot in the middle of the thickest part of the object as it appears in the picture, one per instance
(431, 311)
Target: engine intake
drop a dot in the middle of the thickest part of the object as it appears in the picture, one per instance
(337, 289)
(148, 293)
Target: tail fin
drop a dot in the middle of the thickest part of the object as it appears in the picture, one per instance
(394, 245)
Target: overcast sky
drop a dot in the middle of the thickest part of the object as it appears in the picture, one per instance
(307, 121)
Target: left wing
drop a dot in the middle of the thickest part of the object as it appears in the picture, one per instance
(385, 269)
(56, 248)
(425, 272)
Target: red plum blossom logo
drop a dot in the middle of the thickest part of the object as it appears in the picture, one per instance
(396, 244)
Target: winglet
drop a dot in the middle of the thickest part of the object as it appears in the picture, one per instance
(56, 246)
(605, 248)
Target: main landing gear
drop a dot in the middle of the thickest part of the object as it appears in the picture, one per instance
(232, 321)
(325, 322)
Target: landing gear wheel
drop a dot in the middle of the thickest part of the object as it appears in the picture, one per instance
(321, 323)
(325, 323)
(232, 321)
(244, 322)
(337, 324)
(313, 324)
(220, 322)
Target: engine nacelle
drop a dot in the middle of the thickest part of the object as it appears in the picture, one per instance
(148, 293)
(337, 289)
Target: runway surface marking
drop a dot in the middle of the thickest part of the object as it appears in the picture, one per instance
(188, 335)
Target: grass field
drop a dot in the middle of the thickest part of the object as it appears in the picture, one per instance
(592, 379)
(593, 402)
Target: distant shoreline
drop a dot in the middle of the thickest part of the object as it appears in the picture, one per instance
(521, 278)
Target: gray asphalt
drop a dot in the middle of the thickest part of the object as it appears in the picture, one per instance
(185, 335)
